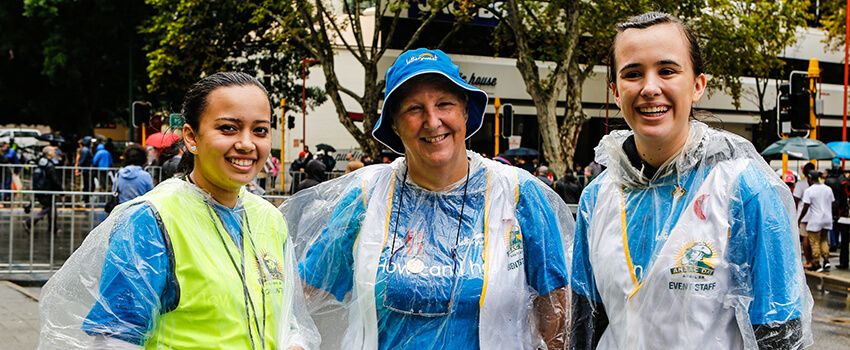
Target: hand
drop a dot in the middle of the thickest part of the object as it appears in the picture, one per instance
(296, 347)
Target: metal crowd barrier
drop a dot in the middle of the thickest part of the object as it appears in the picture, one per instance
(71, 177)
(37, 252)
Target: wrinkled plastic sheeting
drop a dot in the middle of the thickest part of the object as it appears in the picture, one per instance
(335, 209)
(636, 321)
(71, 293)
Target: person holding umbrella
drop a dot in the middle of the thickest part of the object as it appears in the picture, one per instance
(442, 248)
(687, 239)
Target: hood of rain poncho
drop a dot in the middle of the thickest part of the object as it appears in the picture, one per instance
(315, 170)
(311, 211)
(71, 292)
(130, 172)
(705, 149)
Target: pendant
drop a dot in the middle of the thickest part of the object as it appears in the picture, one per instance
(415, 266)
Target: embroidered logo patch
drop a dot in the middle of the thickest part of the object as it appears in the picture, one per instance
(424, 56)
(514, 244)
(271, 268)
(695, 257)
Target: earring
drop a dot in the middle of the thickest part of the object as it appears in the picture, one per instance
(193, 149)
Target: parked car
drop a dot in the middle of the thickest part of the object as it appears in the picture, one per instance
(23, 137)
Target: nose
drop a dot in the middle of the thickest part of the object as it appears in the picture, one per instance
(245, 142)
(651, 86)
(433, 119)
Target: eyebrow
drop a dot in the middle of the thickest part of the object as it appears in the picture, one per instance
(239, 121)
(660, 63)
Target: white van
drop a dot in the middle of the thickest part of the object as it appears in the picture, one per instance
(23, 137)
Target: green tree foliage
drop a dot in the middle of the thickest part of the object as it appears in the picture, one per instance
(834, 21)
(70, 61)
(320, 28)
(583, 31)
(744, 39)
(188, 39)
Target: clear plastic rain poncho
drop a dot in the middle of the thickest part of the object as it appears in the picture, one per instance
(175, 269)
(705, 254)
(483, 263)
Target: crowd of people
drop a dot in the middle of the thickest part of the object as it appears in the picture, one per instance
(821, 203)
(685, 240)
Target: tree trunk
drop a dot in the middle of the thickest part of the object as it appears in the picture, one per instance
(574, 118)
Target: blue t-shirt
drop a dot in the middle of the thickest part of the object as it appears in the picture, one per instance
(757, 243)
(137, 282)
(445, 286)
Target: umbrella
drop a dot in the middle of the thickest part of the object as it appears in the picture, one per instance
(841, 148)
(800, 148)
(325, 147)
(160, 140)
(520, 152)
(51, 137)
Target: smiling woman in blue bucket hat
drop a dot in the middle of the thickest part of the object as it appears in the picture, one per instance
(442, 249)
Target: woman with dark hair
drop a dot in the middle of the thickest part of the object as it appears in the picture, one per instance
(441, 248)
(196, 263)
(132, 180)
(687, 240)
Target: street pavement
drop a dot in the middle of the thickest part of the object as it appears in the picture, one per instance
(19, 320)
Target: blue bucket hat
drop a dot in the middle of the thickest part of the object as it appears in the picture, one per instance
(423, 61)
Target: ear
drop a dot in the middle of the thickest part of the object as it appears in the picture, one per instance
(189, 137)
(616, 94)
(699, 87)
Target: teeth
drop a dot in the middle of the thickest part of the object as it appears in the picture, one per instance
(654, 110)
(242, 162)
(434, 139)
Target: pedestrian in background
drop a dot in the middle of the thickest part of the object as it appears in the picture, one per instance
(132, 180)
(686, 240)
(103, 161)
(816, 219)
(274, 171)
(45, 178)
(296, 170)
(542, 174)
(315, 174)
(169, 168)
(568, 188)
(799, 189)
(84, 163)
(836, 180)
(353, 165)
(197, 263)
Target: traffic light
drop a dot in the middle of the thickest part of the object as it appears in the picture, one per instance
(141, 113)
(800, 102)
(507, 119)
(785, 108)
(290, 122)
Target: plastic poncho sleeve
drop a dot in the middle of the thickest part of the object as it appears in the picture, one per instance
(135, 281)
(546, 268)
(589, 318)
(328, 264)
(762, 244)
